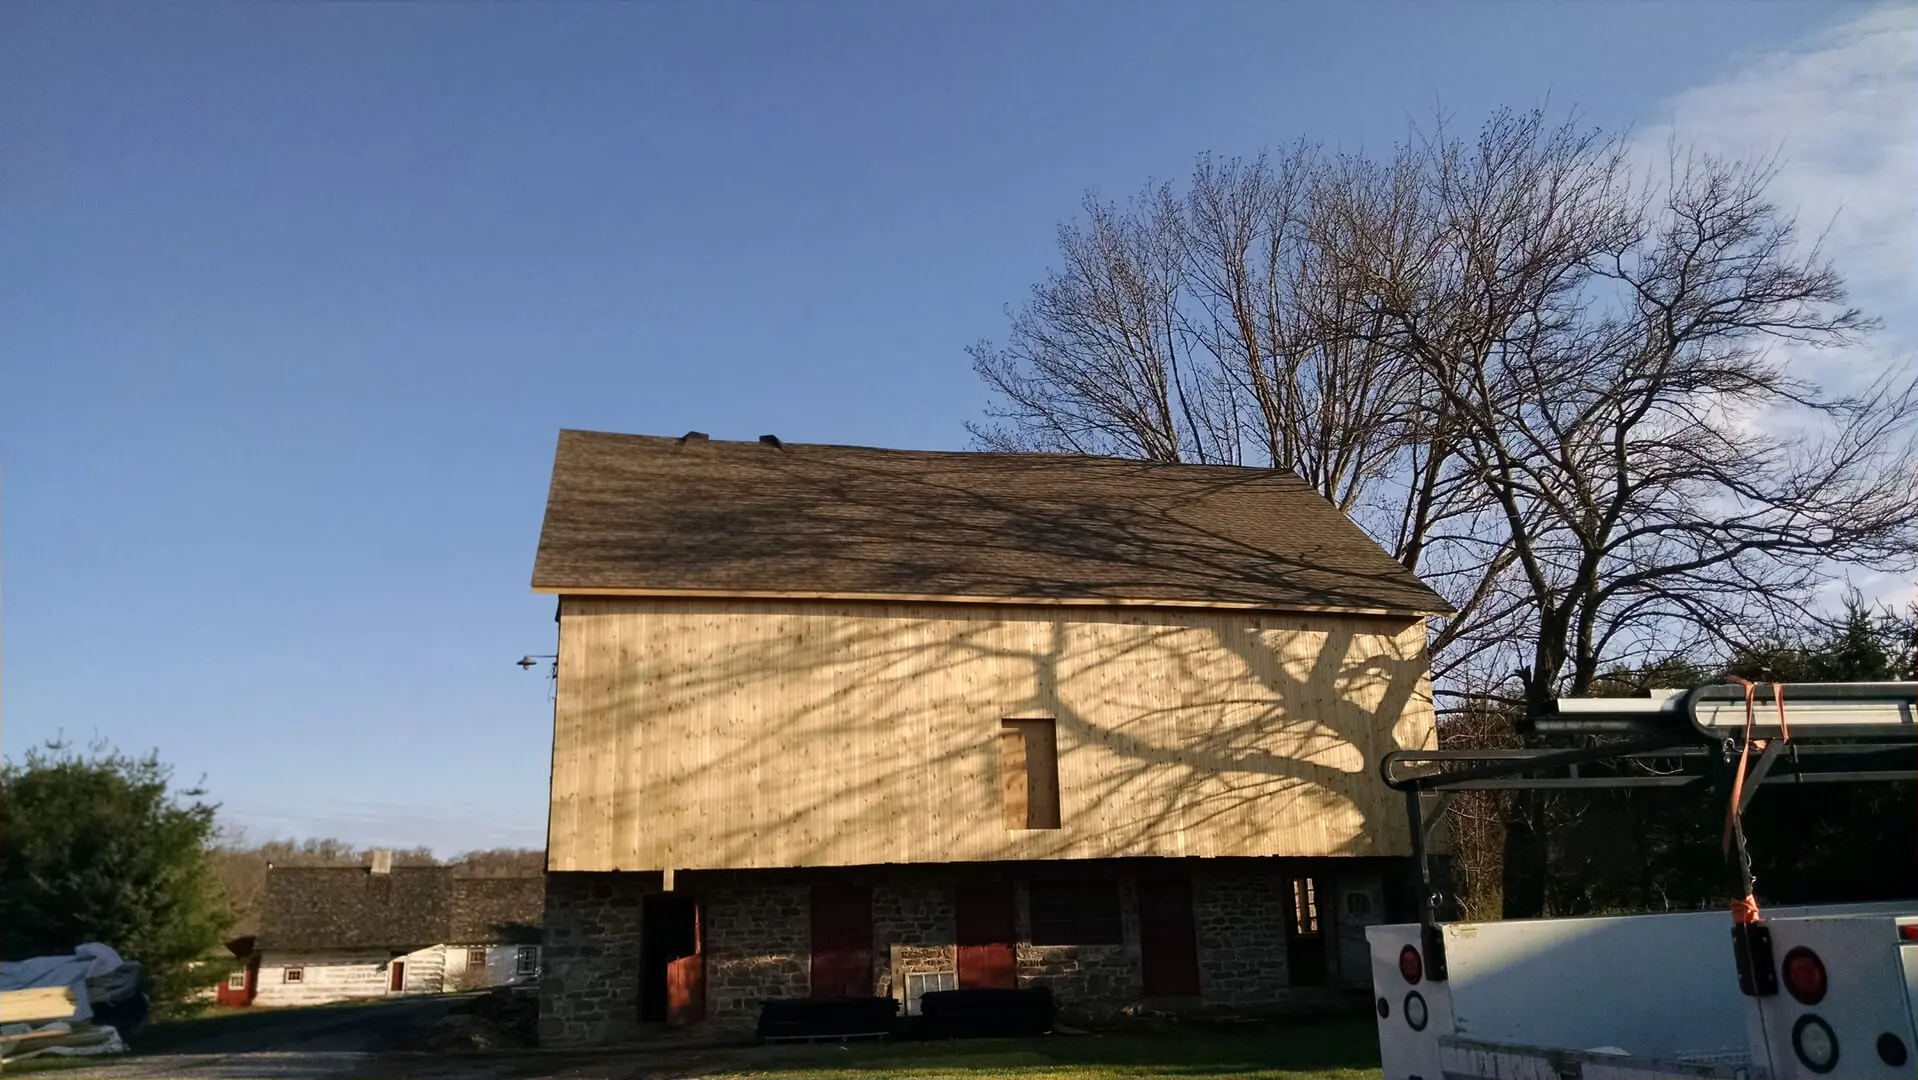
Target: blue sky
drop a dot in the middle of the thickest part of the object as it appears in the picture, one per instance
(294, 297)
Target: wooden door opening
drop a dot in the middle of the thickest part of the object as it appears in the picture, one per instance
(1168, 938)
(984, 929)
(1305, 960)
(1361, 904)
(1029, 773)
(672, 962)
(396, 977)
(841, 941)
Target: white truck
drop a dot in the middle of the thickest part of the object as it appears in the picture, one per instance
(1827, 991)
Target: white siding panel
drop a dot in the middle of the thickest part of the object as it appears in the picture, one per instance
(345, 975)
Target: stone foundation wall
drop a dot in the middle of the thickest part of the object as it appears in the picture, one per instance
(1084, 979)
(758, 942)
(916, 916)
(589, 988)
(1241, 935)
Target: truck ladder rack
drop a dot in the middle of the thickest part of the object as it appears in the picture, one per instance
(1839, 732)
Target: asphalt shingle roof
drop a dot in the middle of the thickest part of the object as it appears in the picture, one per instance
(350, 907)
(650, 515)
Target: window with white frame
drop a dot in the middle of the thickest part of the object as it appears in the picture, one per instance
(293, 974)
(476, 958)
(526, 960)
(237, 980)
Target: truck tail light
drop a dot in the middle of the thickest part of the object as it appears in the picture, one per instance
(1410, 965)
(1805, 976)
(1908, 931)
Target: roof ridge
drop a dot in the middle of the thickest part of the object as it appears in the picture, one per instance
(657, 516)
(1062, 456)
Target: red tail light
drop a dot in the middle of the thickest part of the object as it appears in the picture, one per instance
(1909, 931)
(1805, 976)
(1411, 965)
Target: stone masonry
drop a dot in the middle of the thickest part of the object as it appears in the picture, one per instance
(1086, 980)
(589, 989)
(758, 942)
(1241, 936)
(913, 922)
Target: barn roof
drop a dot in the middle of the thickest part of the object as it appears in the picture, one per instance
(642, 515)
(350, 907)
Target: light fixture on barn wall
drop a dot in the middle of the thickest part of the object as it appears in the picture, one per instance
(531, 661)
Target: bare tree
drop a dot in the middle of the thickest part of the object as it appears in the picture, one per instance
(1561, 391)
(1616, 359)
(1225, 326)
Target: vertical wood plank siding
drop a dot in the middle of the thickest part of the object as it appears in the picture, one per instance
(697, 734)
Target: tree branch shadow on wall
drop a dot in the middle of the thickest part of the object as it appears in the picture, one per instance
(1221, 747)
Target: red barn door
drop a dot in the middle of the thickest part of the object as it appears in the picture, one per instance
(983, 924)
(686, 979)
(1168, 940)
(841, 941)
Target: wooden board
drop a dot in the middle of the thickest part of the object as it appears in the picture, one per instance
(36, 1004)
(694, 734)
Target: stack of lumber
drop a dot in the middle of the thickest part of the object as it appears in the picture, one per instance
(21, 1041)
(40, 1020)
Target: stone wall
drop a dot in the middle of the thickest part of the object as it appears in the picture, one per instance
(916, 916)
(1086, 980)
(589, 989)
(1241, 934)
(758, 942)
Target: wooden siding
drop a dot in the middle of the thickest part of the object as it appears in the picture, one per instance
(344, 974)
(694, 734)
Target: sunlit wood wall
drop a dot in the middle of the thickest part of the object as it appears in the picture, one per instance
(752, 733)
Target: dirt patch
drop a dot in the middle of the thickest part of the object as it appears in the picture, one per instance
(501, 1019)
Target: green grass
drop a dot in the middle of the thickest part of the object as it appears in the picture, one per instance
(1332, 1048)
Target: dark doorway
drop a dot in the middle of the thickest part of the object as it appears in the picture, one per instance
(983, 928)
(1168, 943)
(1304, 936)
(841, 941)
(396, 978)
(672, 982)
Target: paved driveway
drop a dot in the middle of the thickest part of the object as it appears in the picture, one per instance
(398, 1024)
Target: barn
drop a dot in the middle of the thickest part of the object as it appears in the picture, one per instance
(840, 722)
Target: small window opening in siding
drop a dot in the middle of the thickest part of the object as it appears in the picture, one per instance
(237, 980)
(1029, 773)
(476, 958)
(526, 960)
(293, 974)
(1305, 906)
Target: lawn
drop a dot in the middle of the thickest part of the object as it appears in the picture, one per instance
(1330, 1048)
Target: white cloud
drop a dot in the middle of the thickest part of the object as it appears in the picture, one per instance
(1841, 110)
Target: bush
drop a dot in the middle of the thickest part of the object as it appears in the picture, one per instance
(96, 847)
